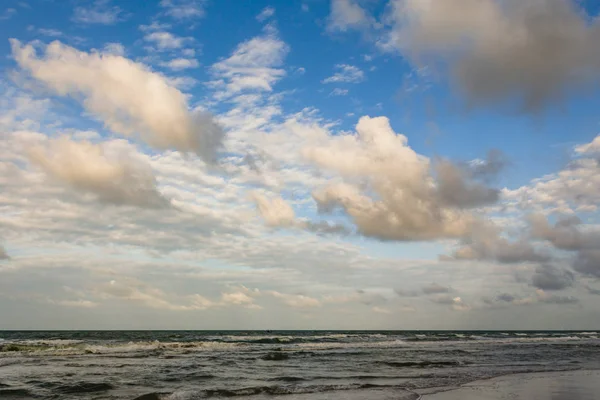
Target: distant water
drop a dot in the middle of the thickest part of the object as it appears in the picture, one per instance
(187, 365)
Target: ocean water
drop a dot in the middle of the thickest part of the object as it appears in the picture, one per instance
(187, 365)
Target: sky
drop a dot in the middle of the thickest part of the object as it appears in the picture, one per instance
(299, 164)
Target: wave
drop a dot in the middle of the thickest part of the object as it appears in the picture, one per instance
(421, 364)
(399, 392)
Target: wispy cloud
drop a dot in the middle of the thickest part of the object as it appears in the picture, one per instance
(265, 14)
(346, 74)
(184, 9)
(100, 12)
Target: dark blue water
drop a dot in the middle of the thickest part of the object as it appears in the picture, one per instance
(290, 364)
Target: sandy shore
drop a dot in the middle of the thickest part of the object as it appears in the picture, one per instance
(572, 385)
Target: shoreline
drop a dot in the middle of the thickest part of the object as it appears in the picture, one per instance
(552, 385)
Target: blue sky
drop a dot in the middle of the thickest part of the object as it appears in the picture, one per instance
(297, 163)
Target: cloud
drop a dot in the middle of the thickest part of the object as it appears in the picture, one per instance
(505, 297)
(497, 51)
(547, 277)
(592, 148)
(592, 290)
(587, 262)
(387, 188)
(457, 189)
(179, 64)
(568, 234)
(347, 14)
(166, 40)
(253, 65)
(346, 74)
(3, 254)
(576, 188)
(339, 92)
(565, 234)
(485, 242)
(128, 97)
(456, 302)
(116, 49)
(295, 300)
(101, 12)
(265, 14)
(381, 310)
(133, 290)
(109, 171)
(434, 288)
(184, 9)
(555, 299)
(276, 211)
(50, 32)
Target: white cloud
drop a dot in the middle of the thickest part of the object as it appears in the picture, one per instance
(101, 12)
(116, 49)
(109, 171)
(275, 211)
(184, 9)
(166, 40)
(179, 64)
(50, 32)
(346, 74)
(387, 189)
(347, 14)
(592, 148)
(339, 92)
(253, 65)
(295, 300)
(127, 96)
(265, 14)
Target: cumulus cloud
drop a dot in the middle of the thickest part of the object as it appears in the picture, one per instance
(347, 14)
(592, 148)
(100, 12)
(346, 74)
(110, 171)
(275, 211)
(388, 189)
(128, 97)
(485, 242)
(548, 277)
(500, 50)
(566, 234)
(184, 9)
(587, 262)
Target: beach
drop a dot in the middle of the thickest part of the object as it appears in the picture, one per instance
(571, 385)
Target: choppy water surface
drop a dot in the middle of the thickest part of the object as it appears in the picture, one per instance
(186, 365)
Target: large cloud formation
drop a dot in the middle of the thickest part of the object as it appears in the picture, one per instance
(534, 51)
(109, 171)
(389, 190)
(128, 97)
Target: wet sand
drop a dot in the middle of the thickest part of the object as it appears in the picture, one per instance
(572, 385)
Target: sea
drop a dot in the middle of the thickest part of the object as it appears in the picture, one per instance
(292, 365)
